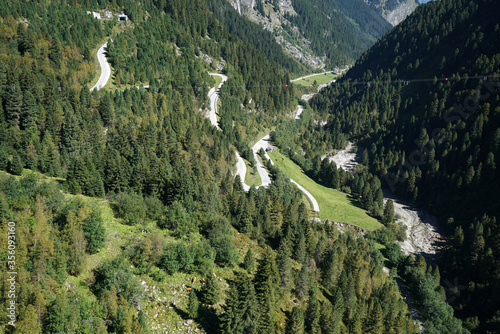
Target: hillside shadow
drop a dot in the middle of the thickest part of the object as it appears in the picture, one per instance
(354, 202)
(207, 317)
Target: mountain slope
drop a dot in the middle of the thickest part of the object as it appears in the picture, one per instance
(424, 101)
(125, 210)
(319, 33)
(394, 11)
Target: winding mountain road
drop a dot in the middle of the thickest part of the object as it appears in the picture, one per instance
(213, 95)
(264, 175)
(105, 68)
(263, 143)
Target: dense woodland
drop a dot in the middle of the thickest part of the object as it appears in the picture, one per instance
(151, 157)
(424, 103)
(83, 169)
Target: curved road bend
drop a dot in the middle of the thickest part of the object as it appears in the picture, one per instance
(213, 95)
(264, 175)
(105, 68)
(241, 169)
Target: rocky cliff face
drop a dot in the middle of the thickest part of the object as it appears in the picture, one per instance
(401, 12)
(394, 11)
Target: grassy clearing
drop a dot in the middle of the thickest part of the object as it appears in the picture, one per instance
(217, 79)
(319, 78)
(252, 177)
(333, 204)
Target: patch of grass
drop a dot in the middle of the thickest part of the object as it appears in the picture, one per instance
(252, 177)
(319, 78)
(217, 79)
(333, 204)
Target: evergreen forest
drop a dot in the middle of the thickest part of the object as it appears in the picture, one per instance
(125, 210)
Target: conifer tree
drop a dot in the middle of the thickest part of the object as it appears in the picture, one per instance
(335, 178)
(28, 115)
(193, 304)
(302, 286)
(94, 231)
(210, 293)
(249, 313)
(388, 212)
(374, 324)
(312, 317)
(241, 313)
(295, 325)
(58, 314)
(13, 109)
(28, 321)
(230, 319)
(4, 158)
(50, 159)
(267, 288)
(284, 267)
(16, 165)
(249, 262)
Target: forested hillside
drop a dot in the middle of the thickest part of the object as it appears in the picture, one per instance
(119, 199)
(316, 33)
(425, 102)
(341, 30)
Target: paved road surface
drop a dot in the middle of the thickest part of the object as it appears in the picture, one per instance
(241, 170)
(105, 68)
(264, 175)
(213, 95)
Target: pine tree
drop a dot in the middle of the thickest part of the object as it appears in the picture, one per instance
(300, 250)
(210, 293)
(249, 262)
(241, 313)
(50, 160)
(106, 109)
(375, 320)
(29, 114)
(230, 319)
(193, 304)
(13, 109)
(326, 320)
(58, 314)
(267, 288)
(120, 323)
(335, 178)
(75, 239)
(302, 286)
(249, 313)
(284, 267)
(94, 231)
(312, 318)
(388, 212)
(4, 158)
(28, 321)
(295, 325)
(16, 165)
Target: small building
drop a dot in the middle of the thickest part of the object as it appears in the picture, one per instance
(106, 15)
(122, 17)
